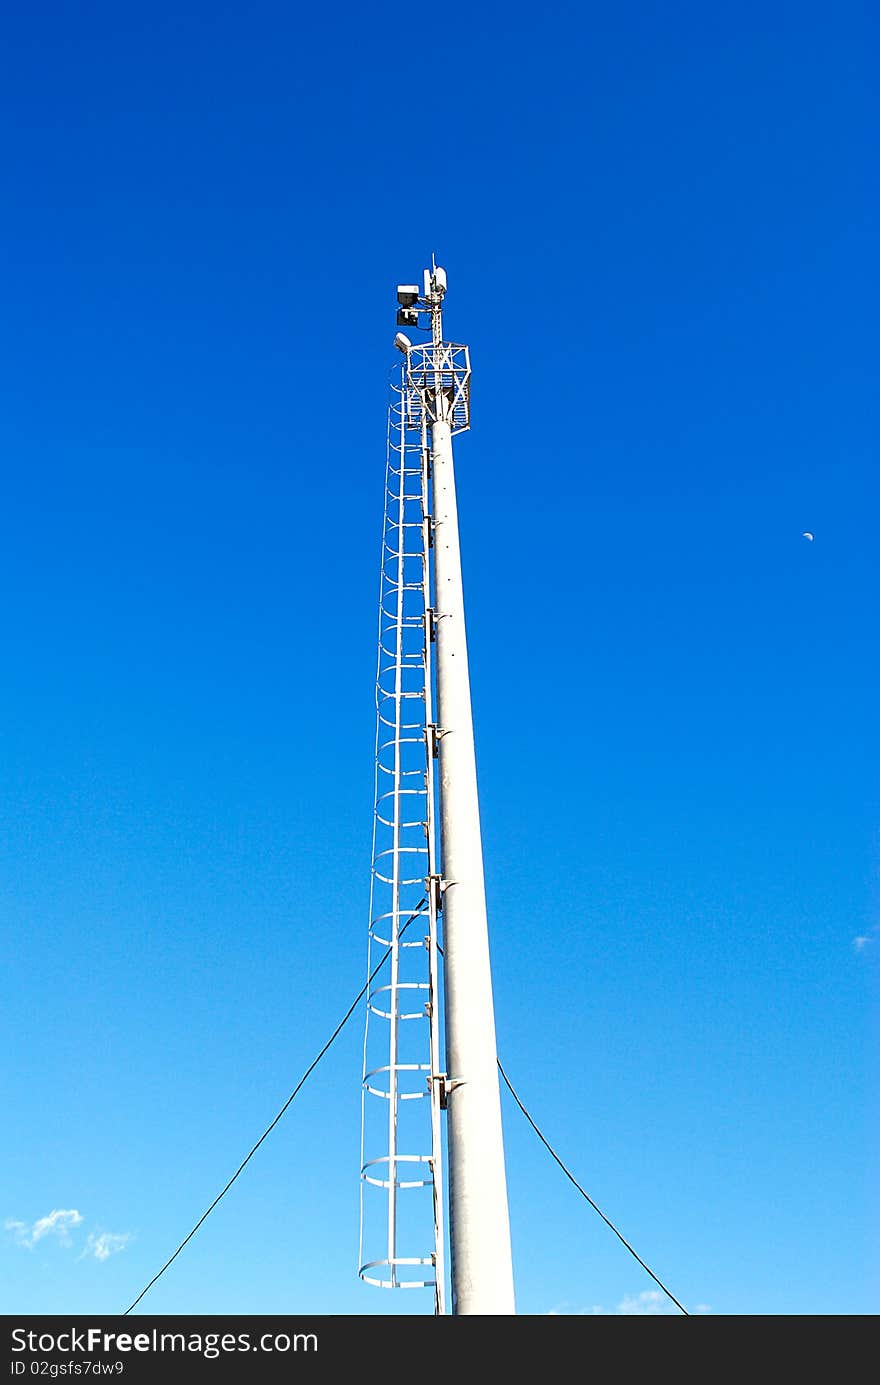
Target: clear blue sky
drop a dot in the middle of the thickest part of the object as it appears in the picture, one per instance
(658, 224)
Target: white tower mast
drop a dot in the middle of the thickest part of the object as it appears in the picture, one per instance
(436, 388)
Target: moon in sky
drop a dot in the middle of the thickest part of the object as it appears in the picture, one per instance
(807, 535)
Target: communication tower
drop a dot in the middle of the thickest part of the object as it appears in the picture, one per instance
(428, 909)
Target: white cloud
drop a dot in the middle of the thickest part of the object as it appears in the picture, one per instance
(649, 1303)
(57, 1224)
(864, 940)
(105, 1244)
(100, 1245)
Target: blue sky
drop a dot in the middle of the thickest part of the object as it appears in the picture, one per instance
(658, 225)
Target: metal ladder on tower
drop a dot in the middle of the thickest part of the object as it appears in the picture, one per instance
(401, 1215)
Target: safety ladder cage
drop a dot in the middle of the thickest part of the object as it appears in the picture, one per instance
(401, 1203)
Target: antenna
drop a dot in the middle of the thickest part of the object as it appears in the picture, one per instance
(423, 653)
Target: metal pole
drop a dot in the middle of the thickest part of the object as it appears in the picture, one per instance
(433, 900)
(481, 1265)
